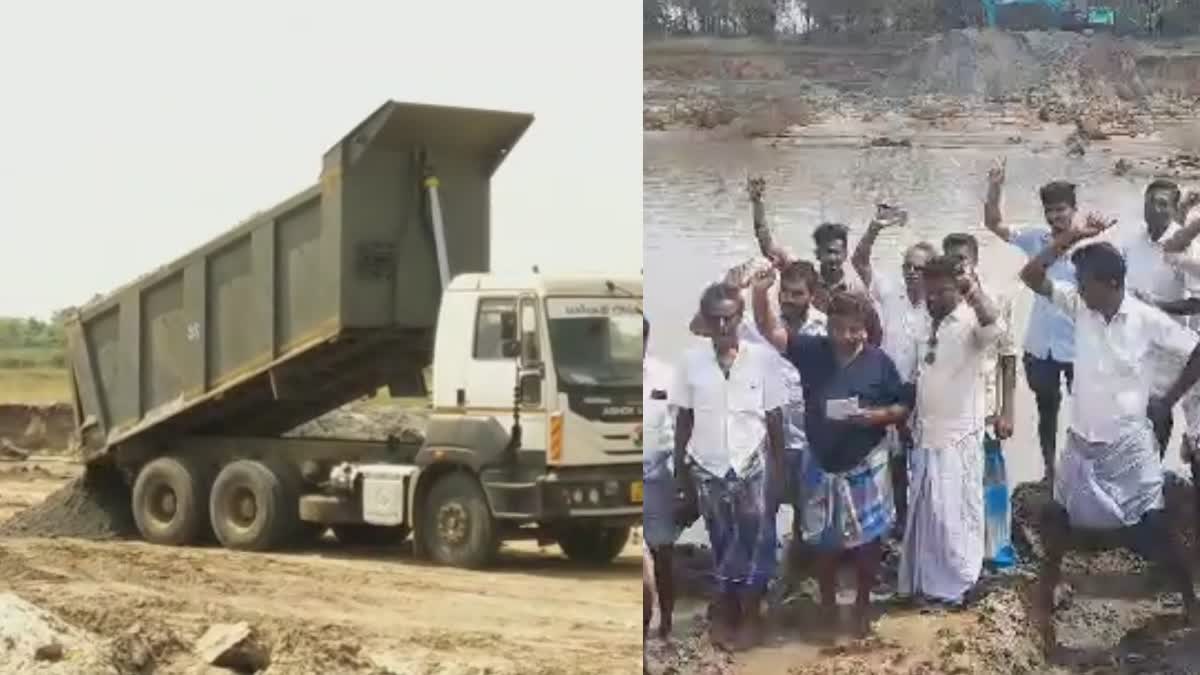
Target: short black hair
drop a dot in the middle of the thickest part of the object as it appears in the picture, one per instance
(827, 232)
(925, 246)
(850, 305)
(1100, 261)
(716, 293)
(801, 270)
(961, 239)
(1167, 185)
(1058, 192)
(941, 267)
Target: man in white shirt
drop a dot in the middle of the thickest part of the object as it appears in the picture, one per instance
(657, 436)
(794, 299)
(942, 553)
(728, 457)
(999, 382)
(1110, 474)
(904, 320)
(1179, 252)
(1152, 278)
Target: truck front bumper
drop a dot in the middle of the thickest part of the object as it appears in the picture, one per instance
(606, 493)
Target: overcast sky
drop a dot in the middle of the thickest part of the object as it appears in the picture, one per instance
(135, 130)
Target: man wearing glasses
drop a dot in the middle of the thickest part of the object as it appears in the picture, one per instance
(728, 459)
(942, 553)
(902, 315)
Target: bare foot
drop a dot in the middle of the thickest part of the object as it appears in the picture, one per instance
(861, 626)
(722, 634)
(750, 633)
(1049, 637)
(664, 629)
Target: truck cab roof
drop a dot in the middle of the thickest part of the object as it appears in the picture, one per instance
(549, 284)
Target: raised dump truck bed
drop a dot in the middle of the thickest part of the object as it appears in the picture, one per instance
(322, 299)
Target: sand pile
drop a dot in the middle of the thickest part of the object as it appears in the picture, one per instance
(94, 506)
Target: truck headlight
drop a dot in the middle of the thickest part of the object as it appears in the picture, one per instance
(594, 496)
(577, 496)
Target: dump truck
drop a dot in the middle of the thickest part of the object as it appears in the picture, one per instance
(187, 381)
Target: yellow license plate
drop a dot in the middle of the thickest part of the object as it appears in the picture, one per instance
(635, 492)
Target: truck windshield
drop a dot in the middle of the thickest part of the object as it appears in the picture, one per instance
(596, 341)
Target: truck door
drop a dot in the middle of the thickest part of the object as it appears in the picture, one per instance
(493, 368)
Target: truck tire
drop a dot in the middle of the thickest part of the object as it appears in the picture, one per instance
(457, 526)
(252, 506)
(357, 534)
(169, 501)
(593, 545)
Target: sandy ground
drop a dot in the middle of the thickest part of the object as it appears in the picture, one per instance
(322, 610)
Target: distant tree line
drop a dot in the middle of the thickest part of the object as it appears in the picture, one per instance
(765, 18)
(32, 342)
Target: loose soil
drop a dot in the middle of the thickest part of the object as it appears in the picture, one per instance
(126, 607)
(1115, 615)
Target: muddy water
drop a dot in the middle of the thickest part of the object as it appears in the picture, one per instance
(697, 221)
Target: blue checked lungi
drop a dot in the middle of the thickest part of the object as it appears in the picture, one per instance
(741, 527)
(846, 510)
(658, 507)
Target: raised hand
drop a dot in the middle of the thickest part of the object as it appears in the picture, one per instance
(763, 278)
(756, 186)
(1094, 225)
(997, 172)
(1187, 206)
(888, 216)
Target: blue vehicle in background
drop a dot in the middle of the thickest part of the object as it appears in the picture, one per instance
(1046, 14)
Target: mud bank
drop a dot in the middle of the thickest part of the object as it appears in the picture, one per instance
(37, 427)
(1115, 614)
(758, 89)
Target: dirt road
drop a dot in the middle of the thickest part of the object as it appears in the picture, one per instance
(325, 609)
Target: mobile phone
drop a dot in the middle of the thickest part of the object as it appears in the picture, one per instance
(892, 215)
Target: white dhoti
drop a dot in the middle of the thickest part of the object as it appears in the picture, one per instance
(942, 554)
(1110, 485)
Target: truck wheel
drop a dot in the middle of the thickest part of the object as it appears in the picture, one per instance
(169, 504)
(370, 535)
(457, 526)
(252, 507)
(593, 545)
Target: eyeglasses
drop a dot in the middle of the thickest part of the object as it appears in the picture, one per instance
(724, 323)
(931, 355)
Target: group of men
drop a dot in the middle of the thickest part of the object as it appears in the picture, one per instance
(867, 402)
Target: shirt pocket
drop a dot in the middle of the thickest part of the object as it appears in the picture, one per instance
(746, 396)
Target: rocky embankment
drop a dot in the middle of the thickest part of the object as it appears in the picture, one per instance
(757, 89)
